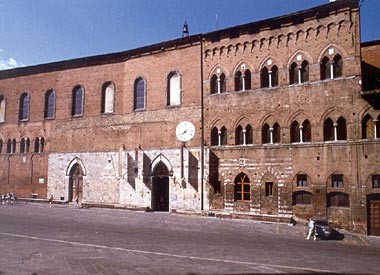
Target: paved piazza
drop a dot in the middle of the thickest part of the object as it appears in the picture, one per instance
(37, 239)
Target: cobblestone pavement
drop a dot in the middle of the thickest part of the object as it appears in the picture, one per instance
(61, 240)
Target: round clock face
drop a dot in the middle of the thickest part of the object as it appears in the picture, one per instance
(185, 131)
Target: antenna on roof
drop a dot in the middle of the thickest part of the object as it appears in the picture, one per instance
(185, 30)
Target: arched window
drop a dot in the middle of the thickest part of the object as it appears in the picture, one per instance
(264, 77)
(24, 145)
(338, 199)
(242, 188)
(223, 83)
(302, 198)
(304, 72)
(273, 76)
(341, 129)
(49, 104)
(174, 89)
(248, 134)
(214, 85)
(9, 146)
(276, 133)
(77, 101)
(108, 98)
(265, 134)
(328, 130)
(239, 81)
(39, 144)
(223, 136)
(13, 150)
(325, 68)
(306, 131)
(293, 74)
(295, 132)
(239, 135)
(23, 113)
(2, 108)
(1, 145)
(139, 94)
(337, 66)
(368, 127)
(214, 136)
(247, 80)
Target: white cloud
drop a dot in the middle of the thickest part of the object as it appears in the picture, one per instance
(9, 63)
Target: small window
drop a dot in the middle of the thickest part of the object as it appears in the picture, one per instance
(139, 94)
(214, 137)
(295, 132)
(238, 81)
(276, 133)
(325, 68)
(264, 77)
(301, 180)
(174, 89)
(49, 104)
(338, 199)
(24, 107)
(242, 188)
(302, 198)
(1, 146)
(337, 66)
(328, 130)
(77, 101)
(2, 108)
(247, 80)
(368, 127)
(265, 134)
(268, 189)
(337, 181)
(214, 85)
(39, 144)
(248, 134)
(108, 98)
(293, 74)
(239, 135)
(304, 71)
(223, 84)
(375, 181)
(24, 145)
(306, 131)
(9, 146)
(223, 136)
(341, 129)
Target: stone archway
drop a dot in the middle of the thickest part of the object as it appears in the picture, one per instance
(75, 182)
(160, 188)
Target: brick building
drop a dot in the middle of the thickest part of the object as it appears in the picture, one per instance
(267, 120)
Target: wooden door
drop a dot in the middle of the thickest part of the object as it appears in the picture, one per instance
(374, 222)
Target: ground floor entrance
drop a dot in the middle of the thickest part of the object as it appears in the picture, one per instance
(160, 188)
(373, 214)
(76, 183)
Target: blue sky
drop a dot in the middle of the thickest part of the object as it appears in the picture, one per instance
(42, 31)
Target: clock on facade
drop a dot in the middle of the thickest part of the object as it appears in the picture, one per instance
(185, 131)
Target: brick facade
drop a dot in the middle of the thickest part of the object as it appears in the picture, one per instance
(267, 117)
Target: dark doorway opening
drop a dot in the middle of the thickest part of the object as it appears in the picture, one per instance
(373, 214)
(160, 188)
(76, 183)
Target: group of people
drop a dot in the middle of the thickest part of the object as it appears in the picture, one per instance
(8, 198)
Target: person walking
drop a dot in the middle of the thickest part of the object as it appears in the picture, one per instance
(51, 199)
(76, 201)
(311, 227)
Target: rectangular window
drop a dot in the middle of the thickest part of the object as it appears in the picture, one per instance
(269, 189)
(301, 180)
(375, 181)
(337, 181)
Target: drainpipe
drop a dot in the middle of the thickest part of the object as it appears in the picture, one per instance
(202, 126)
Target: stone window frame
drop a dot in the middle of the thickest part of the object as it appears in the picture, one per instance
(24, 107)
(242, 188)
(218, 82)
(137, 97)
(299, 72)
(269, 76)
(242, 80)
(269, 188)
(331, 65)
(173, 93)
(49, 104)
(24, 145)
(243, 135)
(2, 108)
(375, 181)
(108, 98)
(300, 133)
(334, 131)
(77, 102)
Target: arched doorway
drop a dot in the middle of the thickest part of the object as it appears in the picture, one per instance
(76, 183)
(373, 214)
(160, 188)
